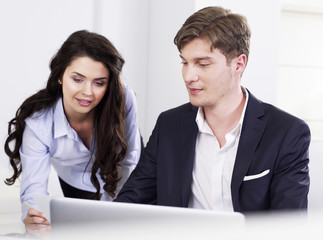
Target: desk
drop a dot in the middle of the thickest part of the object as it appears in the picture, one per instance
(280, 226)
(10, 219)
(11, 225)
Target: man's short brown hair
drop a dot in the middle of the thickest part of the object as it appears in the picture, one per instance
(228, 32)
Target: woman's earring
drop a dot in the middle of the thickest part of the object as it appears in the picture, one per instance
(59, 82)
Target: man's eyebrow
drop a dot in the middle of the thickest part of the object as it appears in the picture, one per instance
(198, 58)
(202, 58)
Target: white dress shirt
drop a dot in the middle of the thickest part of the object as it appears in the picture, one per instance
(48, 139)
(213, 166)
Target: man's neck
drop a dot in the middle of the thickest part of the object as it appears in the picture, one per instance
(225, 116)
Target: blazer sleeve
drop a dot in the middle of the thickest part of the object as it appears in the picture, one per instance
(133, 137)
(141, 184)
(290, 182)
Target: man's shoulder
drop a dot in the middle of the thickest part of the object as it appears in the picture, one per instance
(179, 110)
(277, 116)
(175, 121)
(276, 112)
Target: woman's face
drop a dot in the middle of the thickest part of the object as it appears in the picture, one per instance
(84, 84)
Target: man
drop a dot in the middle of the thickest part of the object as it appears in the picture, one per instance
(225, 150)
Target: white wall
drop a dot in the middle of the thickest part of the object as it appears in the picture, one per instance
(143, 31)
(126, 24)
(165, 86)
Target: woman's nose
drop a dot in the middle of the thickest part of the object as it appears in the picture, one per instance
(87, 88)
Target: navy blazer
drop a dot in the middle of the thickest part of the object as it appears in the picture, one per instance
(272, 141)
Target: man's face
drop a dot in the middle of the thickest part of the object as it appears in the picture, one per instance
(209, 79)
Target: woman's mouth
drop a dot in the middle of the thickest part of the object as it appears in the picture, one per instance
(83, 102)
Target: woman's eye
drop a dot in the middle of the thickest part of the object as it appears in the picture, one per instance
(183, 63)
(99, 84)
(77, 80)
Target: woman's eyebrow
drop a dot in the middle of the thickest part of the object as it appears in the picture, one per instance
(99, 78)
(77, 73)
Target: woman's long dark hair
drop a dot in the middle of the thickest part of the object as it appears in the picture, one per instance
(110, 144)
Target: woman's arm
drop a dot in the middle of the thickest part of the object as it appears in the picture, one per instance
(35, 160)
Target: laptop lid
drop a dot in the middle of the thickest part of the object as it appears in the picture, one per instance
(70, 210)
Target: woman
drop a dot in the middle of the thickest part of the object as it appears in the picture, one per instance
(84, 123)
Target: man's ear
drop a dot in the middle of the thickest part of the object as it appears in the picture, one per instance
(240, 63)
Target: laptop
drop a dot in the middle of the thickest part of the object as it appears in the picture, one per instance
(72, 211)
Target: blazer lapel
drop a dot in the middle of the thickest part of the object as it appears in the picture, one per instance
(188, 133)
(252, 130)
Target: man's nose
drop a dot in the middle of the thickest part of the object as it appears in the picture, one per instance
(190, 74)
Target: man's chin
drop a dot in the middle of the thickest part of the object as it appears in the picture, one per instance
(196, 103)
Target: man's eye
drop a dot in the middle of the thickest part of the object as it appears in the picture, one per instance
(204, 64)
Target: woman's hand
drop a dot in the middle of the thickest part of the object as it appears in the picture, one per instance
(36, 224)
(35, 220)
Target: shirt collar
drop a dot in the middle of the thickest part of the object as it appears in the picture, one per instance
(246, 94)
(201, 122)
(204, 127)
(61, 125)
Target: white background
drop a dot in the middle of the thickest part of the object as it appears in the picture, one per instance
(143, 31)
